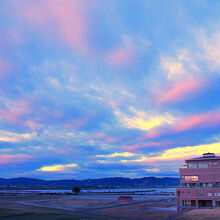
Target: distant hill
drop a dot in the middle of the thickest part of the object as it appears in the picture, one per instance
(103, 182)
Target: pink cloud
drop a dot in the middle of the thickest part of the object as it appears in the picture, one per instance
(154, 133)
(19, 158)
(77, 124)
(23, 114)
(32, 124)
(3, 67)
(100, 135)
(120, 57)
(112, 139)
(147, 145)
(201, 120)
(68, 21)
(106, 138)
(179, 90)
(63, 152)
(65, 19)
(204, 120)
(15, 110)
(113, 104)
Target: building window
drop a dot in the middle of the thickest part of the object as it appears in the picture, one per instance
(202, 165)
(188, 185)
(214, 163)
(209, 194)
(202, 185)
(218, 193)
(190, 178)
(209, 185)
(201, 194)
(188, 202)
(192, 165)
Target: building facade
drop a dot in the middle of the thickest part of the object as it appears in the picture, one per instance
(199, 183)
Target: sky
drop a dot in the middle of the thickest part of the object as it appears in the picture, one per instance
(94, 89)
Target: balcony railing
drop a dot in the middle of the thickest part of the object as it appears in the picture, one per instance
(198, 187)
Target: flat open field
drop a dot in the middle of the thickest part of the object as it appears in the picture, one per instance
(96, 207)
(100, 207)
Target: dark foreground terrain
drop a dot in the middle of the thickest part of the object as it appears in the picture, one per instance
(87, 206)
(96, 207)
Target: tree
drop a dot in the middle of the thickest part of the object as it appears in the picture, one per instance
(76, 190)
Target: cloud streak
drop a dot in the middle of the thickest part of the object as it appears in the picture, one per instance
(204, 120)
(58, 168)
(7, 136)
(179, 90)
(14, 159)
(178, 153)
(143, 120)
(124, 154)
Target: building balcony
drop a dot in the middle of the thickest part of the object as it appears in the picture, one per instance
(198, 193)
(197, 187)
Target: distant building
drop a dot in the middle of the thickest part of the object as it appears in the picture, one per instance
(125, 199)
(199, 183)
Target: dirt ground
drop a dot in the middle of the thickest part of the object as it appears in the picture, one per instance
(58, 207)
(198, 214)
(143, 211)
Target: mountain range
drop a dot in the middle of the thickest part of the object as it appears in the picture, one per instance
(103, 182)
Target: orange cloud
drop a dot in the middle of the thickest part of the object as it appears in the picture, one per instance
(179, 90)
(172, 154)
(65, 18)
(58, 168)
(143, 120)
(178, 153)
(152, 170)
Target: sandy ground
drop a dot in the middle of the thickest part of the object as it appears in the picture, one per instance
(98, 207)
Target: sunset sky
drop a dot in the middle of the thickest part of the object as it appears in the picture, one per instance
(92, 89)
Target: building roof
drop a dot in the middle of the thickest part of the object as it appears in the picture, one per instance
(206, 156)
